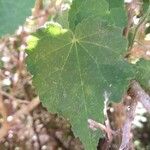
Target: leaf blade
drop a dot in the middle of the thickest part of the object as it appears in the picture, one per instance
(77, 73)
(81, 9)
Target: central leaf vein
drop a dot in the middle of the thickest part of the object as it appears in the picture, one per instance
(82, 84)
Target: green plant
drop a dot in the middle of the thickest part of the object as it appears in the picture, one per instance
(73, 68)
(16, 15)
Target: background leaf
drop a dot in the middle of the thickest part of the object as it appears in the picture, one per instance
(143, 73)
(117, 14)
(81, 9)
(109, 9)
(13, 13)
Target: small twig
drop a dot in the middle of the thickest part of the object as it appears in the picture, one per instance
(4, 130)
(126, 130)
(58, 140)
(27, 109)
(41, 14)
(95, 125)
(5, 126)
(107, 122)
(24, 111)
(105, 128)
(38, 6)
(135, 94)
(13, 98)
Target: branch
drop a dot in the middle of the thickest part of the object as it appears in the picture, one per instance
(126, 143)
(105, 128)
(140, 95)
(27, 109)
(137, 94)
(95, 125)
(5, 125)
(23, 111)
(13, 98)
(38, 7)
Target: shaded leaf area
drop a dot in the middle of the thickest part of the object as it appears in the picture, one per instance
(146, 4)
(107, 9)
(13, 14)
(117, 7)
(81, 9)
(71, 71)
(143, 74)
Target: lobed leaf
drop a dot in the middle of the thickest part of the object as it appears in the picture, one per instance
(71, 71)
(73, 68)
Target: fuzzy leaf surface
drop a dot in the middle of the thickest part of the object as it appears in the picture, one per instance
(143, 74)
(117, 13)
(81, 9)
(72, 71)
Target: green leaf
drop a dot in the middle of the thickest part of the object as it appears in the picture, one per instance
(13, 13)
(62, 19)
(143, 73)
(115, 3)
(146, 4)
(1, 64)
(81, 9)
(117, 14)
(113, 10)
(72, 71)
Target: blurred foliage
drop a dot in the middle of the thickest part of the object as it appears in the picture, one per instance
(13, 14)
